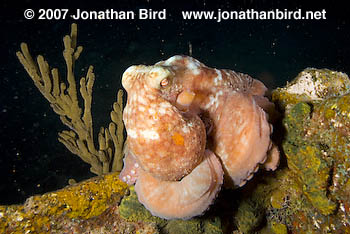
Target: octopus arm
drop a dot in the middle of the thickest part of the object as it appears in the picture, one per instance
(242, 137)
(258, 88)
(182, 199)
(268, 107)
(273, 158)
(130, 170)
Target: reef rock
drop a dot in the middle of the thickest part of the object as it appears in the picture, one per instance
(317, 148)
(312, 85)
(310, 193)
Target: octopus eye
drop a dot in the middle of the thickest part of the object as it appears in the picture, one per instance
(158, 77)
(164, 82)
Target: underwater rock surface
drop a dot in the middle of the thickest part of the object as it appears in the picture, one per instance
(312, 85)
(316, 144)
(309, 193)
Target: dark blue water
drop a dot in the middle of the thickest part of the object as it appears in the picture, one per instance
(32, 161)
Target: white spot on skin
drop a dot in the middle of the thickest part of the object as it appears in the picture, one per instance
(136, 69)
(162, 111)
(136, 165)
(141, 108)
(132, 172)
(217, 95)
(185, 129)
(150, 134)
(132, 133)
(185, 193)
(164, 105)
(194, 67)
(214, 100)
(172, 60)
(142, 100)
(218, 78)
(151, 111)
(244, 140)
(211, 102)
(133, 96)
(153, 105)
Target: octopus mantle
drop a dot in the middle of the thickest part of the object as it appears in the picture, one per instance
(191, 129)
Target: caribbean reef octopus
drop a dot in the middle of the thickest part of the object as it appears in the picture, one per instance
(190, 130)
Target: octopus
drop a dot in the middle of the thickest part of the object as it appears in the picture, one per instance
(192, 129)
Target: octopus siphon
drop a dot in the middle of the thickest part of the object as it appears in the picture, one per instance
(190, 130)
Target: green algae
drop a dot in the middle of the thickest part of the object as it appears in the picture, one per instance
(278, 228)
(80, 201)
(305, 160)
(132, 210)
(277, 199)
(316, 146)
(248, 217)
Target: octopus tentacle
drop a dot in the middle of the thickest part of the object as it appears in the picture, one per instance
(242, 137)
(131, 168)
(182, 199)
(272, 159)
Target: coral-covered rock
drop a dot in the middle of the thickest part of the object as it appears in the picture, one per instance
(316, 144)
(312, 85)
(87, 207)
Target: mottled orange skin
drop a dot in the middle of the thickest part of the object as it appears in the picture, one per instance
(182, 199)
(166, 142)
(188, 126)
(234, 103)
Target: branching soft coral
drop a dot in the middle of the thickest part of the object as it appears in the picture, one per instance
(64, 101)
